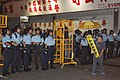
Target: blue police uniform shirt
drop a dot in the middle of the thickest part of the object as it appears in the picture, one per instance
(78, 37)
(6, 39)
(117, 37)
(84, 42)
(95, 37)
(16, 38)
(37, 38)
(49, 41)
(105, 37)
(27, 38)
(111, 38)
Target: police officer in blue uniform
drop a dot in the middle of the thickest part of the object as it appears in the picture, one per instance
(16, 38)
(7, 45)
(118, 43)
(84, 53)
(105, 35)
(37, 42)
(50, 45)
(105, 39)
(27, 41)
(78, 39)
(111, 39)
(44, 54)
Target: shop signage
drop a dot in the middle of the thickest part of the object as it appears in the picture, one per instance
(40, 7)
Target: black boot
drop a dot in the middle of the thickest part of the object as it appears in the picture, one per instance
(36, 68)
(44, 69)
(12, 69)
(29, 68)
(26, 69)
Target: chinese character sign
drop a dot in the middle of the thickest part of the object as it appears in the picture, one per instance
(77, 2)
(41, 7)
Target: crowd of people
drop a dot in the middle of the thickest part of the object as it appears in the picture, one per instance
(81, 45)
(108, 46)
(17, 49)
(17, 44)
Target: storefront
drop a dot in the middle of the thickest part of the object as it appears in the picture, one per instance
(41, 13)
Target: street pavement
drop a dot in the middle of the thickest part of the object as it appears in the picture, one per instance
(72, 72)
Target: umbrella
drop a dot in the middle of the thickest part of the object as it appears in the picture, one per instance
(89, 25)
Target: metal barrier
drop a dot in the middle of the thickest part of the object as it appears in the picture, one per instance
(64, 46)
(3, 21)
(3, 24)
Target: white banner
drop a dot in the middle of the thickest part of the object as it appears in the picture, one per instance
(40, 7)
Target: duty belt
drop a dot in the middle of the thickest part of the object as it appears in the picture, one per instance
(51, 46)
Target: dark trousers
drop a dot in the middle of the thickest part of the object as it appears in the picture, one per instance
(44, 57)
(78, 51)
(25, 59)
(50, 56)
(117, 48)
(110, 49)
(17, 57)
(7, 60)
(27, 56)
(12, 60)
(37, 50)
(84, 54)
(105, 51)
(75, 53)
(90, 55)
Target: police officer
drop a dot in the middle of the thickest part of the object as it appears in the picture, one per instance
(37, 42)
(105, 39)
(111, 39)
(84, 53)
(44, 54)
(50, 45)
(118, 43)
(16, 38)
(27, 40)
(78, 39)
(7, 43)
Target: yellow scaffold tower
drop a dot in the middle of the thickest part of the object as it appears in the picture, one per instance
(63, 31)
(3, 24)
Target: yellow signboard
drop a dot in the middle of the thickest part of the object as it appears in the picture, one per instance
(92, 45)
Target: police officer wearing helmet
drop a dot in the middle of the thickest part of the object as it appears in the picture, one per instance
(37, 42)
(85, 49)
(117, 37)
(7, 44)
(111, 39)
(50, 45)
(105, 39)
(17, 38)
(27, 40)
